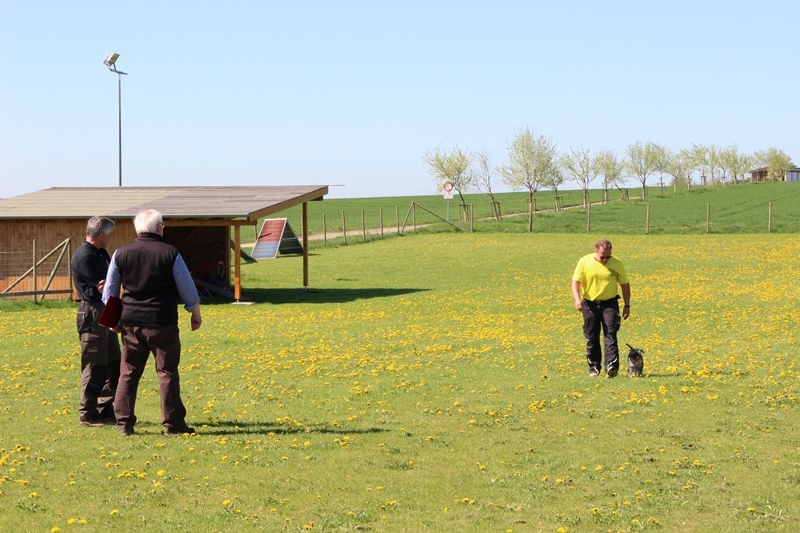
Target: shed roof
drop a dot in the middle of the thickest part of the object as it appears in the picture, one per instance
(244, 202)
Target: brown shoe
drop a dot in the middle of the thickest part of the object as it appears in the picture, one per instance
(91, 422)
(185, 430)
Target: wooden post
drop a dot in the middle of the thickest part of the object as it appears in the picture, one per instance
(769, 220)
(69, 269)
(324, 231)
(380, 215)
(708, 218)
(530, 214)
(237, 263)
(588, 217)
(414, 215)
(344, 228)
(397, 218)
(363, 227)
(305, 244)
(647, 221)
(34, 270)
(471, 217)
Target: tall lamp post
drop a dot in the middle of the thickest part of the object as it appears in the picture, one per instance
(110, 61)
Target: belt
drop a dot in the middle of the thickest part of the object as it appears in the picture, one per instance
(603, 301)
(91, 304)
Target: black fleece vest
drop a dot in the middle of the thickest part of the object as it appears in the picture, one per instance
(150, 297)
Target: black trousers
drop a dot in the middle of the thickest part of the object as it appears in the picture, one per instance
(596, 316)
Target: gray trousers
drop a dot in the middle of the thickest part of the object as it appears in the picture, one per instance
(100, 356)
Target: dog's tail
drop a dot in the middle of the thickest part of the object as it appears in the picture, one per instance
(629, 346)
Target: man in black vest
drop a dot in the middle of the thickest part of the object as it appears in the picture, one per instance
(99, 346)
(155, 280)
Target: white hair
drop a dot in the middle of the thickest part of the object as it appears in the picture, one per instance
(147, 221)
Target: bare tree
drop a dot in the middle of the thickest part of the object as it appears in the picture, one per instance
(483, 177)
(661, 157)
(640, 162)
(453, 167)
(678, 166)
(531, 161)
(711, 168)
(695, 160)
(612, 170)
(733, 164)
(581, 167)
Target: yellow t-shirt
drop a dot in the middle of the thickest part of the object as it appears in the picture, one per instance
(599, 281)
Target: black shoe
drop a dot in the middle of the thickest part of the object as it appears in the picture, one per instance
(594, 372)
(109, 420)
(92, 422)
(612, 371)
(185, 430)
(126, 432)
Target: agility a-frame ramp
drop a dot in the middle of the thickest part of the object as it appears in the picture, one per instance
(276, 236)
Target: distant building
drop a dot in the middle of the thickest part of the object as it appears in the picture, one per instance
(760, 174)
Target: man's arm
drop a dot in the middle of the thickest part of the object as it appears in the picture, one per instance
(626, 297)
(112, 281)
(576, 293)
(187, 291)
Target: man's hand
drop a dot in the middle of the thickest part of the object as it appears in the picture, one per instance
(626, 312)
(196, 320)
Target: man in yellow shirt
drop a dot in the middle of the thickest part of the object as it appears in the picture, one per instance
(594, 287)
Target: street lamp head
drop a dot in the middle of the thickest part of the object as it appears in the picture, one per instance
(110, 59)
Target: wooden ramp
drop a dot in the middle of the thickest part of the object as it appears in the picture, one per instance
(276, 235)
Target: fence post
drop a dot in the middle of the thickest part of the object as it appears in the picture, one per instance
(363, 226)
(769, 221)
(324, 231)
(588, 217)
(34, 270)
(471, 217)
(530, 214)
(414, 215)
(344, 228)
(397, 218)
(69, 269)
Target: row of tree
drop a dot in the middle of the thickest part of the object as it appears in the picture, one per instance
(534, 163)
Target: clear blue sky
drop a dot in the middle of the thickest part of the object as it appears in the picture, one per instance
(353, 93)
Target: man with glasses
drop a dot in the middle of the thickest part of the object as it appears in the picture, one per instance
(594, 287)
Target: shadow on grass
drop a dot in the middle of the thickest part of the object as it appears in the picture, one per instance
(314, 296)
(257, 428)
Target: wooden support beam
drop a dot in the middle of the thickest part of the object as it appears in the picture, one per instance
(237, 262)
(305, 244)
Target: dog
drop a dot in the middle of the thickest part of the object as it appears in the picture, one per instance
(635, 361)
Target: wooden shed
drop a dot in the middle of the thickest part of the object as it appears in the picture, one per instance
(40, 231)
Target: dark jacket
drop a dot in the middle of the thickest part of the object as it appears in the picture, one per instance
(150, 297)
(89, 266)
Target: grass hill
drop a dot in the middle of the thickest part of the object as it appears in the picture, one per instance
(742, 208)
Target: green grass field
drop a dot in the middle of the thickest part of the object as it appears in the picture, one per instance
(435, 382)
(742, 208)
